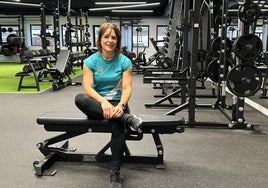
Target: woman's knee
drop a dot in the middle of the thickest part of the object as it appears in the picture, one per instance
(79, 99)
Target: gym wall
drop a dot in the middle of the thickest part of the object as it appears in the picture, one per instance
(151, 22)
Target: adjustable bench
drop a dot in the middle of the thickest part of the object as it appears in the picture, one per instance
(61, 72)
(76, 123)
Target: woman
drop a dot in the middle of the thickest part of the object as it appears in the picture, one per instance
(107, 84)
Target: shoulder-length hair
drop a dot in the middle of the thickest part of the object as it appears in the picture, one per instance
(102, 30)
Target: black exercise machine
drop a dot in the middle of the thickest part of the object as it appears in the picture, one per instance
(76, 123)
(62, 70)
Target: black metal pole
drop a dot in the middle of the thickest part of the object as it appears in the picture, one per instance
(195, 13)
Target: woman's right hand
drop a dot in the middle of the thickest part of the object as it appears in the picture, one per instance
(107, 108)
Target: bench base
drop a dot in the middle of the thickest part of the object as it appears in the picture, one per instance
(66, 154)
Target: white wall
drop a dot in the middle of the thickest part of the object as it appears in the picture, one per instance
(152, 22)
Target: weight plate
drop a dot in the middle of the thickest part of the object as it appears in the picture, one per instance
(248, 47)
(211, 55)
(249, 12)
(165, 62)
(214, 68)
(218, 20)
(201, 55)
(13, 39)
(244, 80)
(202, 76)
(218, 45)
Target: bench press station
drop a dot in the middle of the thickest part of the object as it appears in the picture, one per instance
(76, 123)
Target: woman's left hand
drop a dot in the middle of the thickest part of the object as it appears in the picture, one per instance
(117, 112)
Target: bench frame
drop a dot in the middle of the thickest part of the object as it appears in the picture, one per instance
(65, 154)
(36, 73)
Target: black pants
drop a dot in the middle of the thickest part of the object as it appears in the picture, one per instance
(93, 110)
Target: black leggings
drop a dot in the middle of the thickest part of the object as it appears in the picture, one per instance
(93, 110)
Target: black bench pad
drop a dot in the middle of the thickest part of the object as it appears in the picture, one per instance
(79, 122)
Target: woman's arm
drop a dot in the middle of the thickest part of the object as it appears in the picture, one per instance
(88, 82)
(126, 86)
(118, 110)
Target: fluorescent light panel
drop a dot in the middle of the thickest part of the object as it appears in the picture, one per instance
(20, 4)
(133, 11)
(119, 3)
(125, 7)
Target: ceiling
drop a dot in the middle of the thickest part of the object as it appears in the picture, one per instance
(32, 7)
(25, 7)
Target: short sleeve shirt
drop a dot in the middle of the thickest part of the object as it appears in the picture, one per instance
(108, 74)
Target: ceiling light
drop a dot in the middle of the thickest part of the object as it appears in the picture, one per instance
(133, 11)
(21, 4)
(125, 7)
(119, 3)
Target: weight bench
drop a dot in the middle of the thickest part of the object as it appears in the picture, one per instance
(76, 123)
(61, 72)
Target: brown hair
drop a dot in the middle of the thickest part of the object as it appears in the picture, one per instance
(102, 30)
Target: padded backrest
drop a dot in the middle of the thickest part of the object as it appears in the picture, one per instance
(62, 60)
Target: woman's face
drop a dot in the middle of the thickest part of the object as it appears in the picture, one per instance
(109, 41)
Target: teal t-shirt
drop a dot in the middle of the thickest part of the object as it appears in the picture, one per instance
(108, 74)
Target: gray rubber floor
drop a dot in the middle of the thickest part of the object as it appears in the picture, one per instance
(207, 157)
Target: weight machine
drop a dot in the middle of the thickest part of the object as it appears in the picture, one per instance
(176, 77)
(239, 80)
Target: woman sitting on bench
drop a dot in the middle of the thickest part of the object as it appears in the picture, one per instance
(107, 83)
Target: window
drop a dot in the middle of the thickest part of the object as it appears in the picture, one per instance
(141, 36)
(6, 30)
(160, 34)
(35, 31)
(63, 30)
(95, 33)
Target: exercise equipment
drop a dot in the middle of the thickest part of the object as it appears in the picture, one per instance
(164, 62)
(264, 70)
(244, 80)
(61, 72)
(12, 46)
(7, 50)
(73, 124)
(202, 72)
(202, 75)
(211, 55)
(247, 46)
(218, 20)
(218, 44)
(33, 67)
(214, 68)
(249, 12)
(39, 65)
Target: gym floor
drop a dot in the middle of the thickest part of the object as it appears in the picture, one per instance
(199, 157)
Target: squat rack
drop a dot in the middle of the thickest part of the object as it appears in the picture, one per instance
(236, 118)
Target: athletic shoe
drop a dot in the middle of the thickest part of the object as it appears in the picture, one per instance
(115, 180)
(134, 122)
